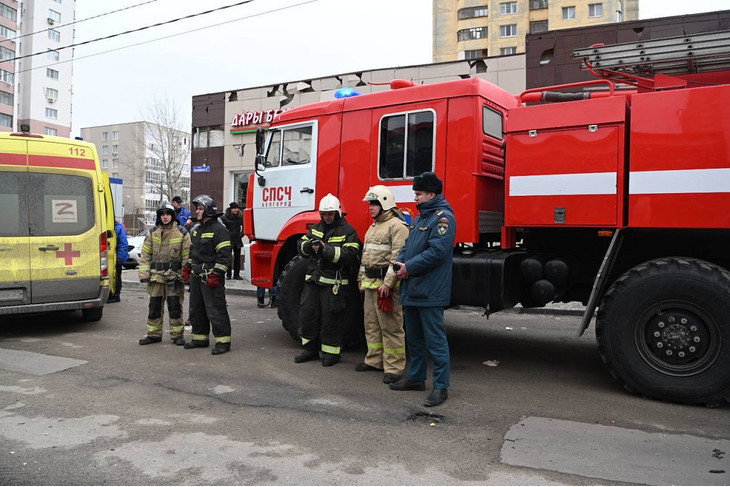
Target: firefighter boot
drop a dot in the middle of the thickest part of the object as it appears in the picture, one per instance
(273, 302)
(330, 359)
(148, 339)
(221, 348)
(436, 397)
(180, 341)
(260, 302)
(195, 344)
(306, 356)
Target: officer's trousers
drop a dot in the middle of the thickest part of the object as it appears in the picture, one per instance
(159, 293)
(321, 315)
(384, 334)
(425, 334)
(208, 309)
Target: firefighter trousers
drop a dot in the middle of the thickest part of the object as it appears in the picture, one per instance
(384, 334)
(426, 335)
(208, 309)
(174, 296)
(321, 315)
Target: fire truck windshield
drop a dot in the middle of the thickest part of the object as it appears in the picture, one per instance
(295, 149)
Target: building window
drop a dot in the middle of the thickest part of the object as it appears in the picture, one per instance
(6, 54)
(213, 136)
(474, 33)
(8, 12)
(115, 174)
(7, 77)
(115, 162)
(538, 26)
(115, 135)
(53, 55)
(54, 35)
(54, 16)
(407, 141)
(6, 98)
(473, 12)
(475, 53)
(51, 94)
(619, 16)
(507, 8)
(568, 13)
(105, 149)
(504, 51)
(104, 136)
(51, 113)
(51, 73)
(508, 30)
(6, 120)
(51, 131)
(105, 163)
(115, 149)
(595, 10)
(538, 4)
(7, 32)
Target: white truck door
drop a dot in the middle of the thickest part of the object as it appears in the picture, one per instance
(290, 175)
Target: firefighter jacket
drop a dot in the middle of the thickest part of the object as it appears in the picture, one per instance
(339, 256)
(210, 249)
(234, 224)
(164, 251)
(428, 255)
(383, 242)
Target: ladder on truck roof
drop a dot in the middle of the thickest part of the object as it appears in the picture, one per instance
(671, 55)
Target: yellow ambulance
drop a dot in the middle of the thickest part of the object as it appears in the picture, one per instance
(57, 239)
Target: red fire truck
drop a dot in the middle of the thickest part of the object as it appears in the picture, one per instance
(613, 192)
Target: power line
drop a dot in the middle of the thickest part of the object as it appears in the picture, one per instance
(84, 20)
(135, 30)
(169, 36)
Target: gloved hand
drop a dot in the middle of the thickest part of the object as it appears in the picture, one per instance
(213, 280)
(385, 303)
(186, 275)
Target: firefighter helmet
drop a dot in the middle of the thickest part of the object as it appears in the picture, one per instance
(208, 204)
(165, 208)
(381, 194)
(330, 203)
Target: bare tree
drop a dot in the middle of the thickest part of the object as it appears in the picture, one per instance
(167, 143)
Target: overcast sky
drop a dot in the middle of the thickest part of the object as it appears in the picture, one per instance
(257, 43)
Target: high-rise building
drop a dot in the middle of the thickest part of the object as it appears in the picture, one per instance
(472, 29)
(152, 161)
(35, 68)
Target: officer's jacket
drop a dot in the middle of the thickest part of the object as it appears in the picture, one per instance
(211, 248)
(339, 257)
(164, 251)
(383, 242)
(428, 255)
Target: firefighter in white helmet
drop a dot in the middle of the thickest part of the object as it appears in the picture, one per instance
(333, 248)
(383, 313)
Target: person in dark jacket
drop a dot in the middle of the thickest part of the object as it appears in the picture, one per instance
(333, 249)
(233, 220)
(122, 256)
(424, 267)
(210, 258)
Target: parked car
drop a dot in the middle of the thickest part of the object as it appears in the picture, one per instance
(135, 252)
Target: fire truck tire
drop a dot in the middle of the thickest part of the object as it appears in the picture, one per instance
(663, 332)
(92, 314)
(291, 283)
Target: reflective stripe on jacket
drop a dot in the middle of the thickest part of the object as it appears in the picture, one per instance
(339, 257)
(383, 242)
(166, 245)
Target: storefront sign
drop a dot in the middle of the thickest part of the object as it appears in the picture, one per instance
(251, 121)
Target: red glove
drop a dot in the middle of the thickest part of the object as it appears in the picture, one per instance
(186, 275)
(385, 303)
(213, 280)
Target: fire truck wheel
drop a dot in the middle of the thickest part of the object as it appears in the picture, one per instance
(291, 283)
(92, 314)
(662, 331)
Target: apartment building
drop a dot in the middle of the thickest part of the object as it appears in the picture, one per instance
(153, 162)
(473, 29)
(35, 71)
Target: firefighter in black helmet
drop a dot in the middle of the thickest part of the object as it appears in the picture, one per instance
(210, 259)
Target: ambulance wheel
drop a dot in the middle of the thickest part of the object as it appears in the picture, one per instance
(663, 331)
(291, 284)
(92, 314)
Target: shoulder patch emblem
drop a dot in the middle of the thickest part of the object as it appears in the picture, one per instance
(442, 226)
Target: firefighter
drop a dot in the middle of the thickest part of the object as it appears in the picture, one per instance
(383, 313)
(210, 259)
(164, 251)
(333, 248)
(424, 266)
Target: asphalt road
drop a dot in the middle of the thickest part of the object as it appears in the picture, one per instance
(530, 404)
